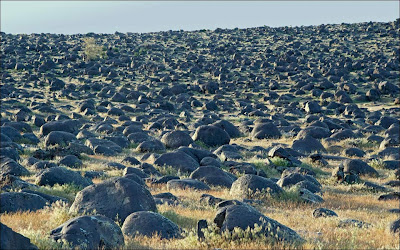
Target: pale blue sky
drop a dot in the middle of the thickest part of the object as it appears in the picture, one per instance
(134, 16)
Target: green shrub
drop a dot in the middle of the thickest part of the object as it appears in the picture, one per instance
(91, 50)
(280, 162)
(182, 221)
(377, 163)
(67, 191)
(271, 172)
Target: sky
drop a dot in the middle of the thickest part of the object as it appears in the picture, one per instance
(72, 17)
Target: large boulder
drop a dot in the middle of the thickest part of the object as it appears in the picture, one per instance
(186, 183)
(308, 145)
(116, 197)
(178, 160)
(175, 139)
(11, 133)
(150, 146)
(229, 128)
(197, 154)
(20, 201)
(395, 226)
(243, 216)
(12, 240)
(147, 223)
(70, 126)
(89, 232)
(246, 186)
(10, 166)
(104, 147)
(211, 135)
(265, 131)
(71, 161)
(294, 178)
(61, 175)
(213, 176)
(59, 138)
(359, 167)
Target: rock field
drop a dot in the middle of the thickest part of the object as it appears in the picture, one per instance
(228, 138)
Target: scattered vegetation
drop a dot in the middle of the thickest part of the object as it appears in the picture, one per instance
(271, 172)
(67, 191)
(377, 163)
(92, 50)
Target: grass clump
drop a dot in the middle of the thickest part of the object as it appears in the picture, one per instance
(202, 145)
(377, 163)
(280, 162)
(67, 191)
(362, 143)
(169, 170)
(91, 50)
(316, 170)
(42, 241)
(271, 172)
(182, 221)
(133, 145)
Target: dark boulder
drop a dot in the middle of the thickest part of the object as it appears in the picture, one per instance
(323, 212)
(71, 161)
(150, 146)
(61, 175)
(265, 131)
(359, 167)
(12, 240)
(10, 166)
(243, 216)
(213, 176)
(246, 186)
(175, 139)
(211, 135)
(308, 145)
(187, 183)
(21, 201)
(178, 160)
(59, 138)
(114, 197)
(229, 128)
(89, 232)
(70, 126)
(147, 223)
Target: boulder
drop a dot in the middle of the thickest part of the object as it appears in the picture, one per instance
(104, 147)
(187, 183)
(150, 146)
(229, 128)
(59, 138)
(308, 145)
(175, 139)
(243, 216)
(359, 167)
(213, 176)
(246, 186)
(323, 212)
(89, 232)
(211, 135)
(147, 223)
(71, 161)
(13, 240)
(61, 175)
(116, 197)
(178, 160)
(265, 131)
(10, 166)
(70, 126)
(21, 201)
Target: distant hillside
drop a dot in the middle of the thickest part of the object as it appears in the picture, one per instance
(360, 53)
